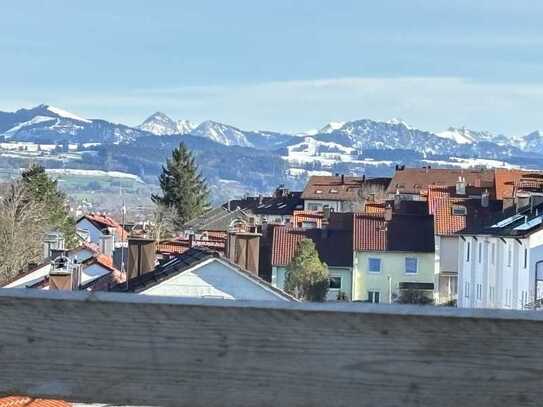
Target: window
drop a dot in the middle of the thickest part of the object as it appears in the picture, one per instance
(313, 207)
(480, 252)
(374, 265)
(411, 264)
(509, 254)
(374, 296)
(493, 253)
(333, 191)
(468, 249)
(508, 297)
(335, 283)
(525, 258)
(491, 294)
(318, 191)
(459, 210)
(466, 290)
(524, 298)
(479, 291)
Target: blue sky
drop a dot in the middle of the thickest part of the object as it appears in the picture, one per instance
(279, 65)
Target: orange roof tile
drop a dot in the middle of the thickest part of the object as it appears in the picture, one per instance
(369, 232)
(31, 402)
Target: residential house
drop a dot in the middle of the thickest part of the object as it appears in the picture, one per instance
(100, 227)
(342, 193)
(334, 242)
(455, 209)
(392, 252)
(498, 262)
(88, 268)
(276, 209)
(413, 183)
(202, 273)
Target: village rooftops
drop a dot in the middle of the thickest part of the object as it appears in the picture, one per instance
(339, 188)
(282, 203)
(511, 182)
(519, 224)
(415, 181)
(190, 259)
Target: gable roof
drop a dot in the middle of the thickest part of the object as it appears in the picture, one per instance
(417, 180)
(338, 188)
(102, 221)
(217, 219)
(183, 262)
(404, 232)
(333, 243)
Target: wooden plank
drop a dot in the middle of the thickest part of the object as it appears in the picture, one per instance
(130, 349)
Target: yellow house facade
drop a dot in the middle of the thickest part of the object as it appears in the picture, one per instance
(379, 276)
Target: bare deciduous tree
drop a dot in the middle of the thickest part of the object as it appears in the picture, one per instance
(23, 222)
(163, 224)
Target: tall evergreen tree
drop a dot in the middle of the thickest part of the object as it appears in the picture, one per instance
(183, 186)
(307, 277)
(44, 190)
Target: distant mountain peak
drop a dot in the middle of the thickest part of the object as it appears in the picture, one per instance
(332, 126)
(221, 133)
(161, 124)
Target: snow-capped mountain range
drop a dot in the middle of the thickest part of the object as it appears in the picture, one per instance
(48, 124)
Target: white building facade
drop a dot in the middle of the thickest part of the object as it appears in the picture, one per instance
(498, 271)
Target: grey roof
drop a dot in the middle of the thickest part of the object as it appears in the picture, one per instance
(217, 219)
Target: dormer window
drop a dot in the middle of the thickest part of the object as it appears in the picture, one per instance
(459, 210)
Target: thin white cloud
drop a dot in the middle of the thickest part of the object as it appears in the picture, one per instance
(432, 103)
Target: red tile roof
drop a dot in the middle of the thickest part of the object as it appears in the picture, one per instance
(440, 205)
(31, 402)
(333, 188)
(369, 232)
(285, 241)
(417, 180)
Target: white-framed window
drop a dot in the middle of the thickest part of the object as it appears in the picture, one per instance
(411, 265)
(524, 299)
(509, 254)
(374, 297)
(479, 292)
(493, 253)
(525, 258)
(466, 289)
(374, 265)
(480, 254)
(335, 283)
(468, 250)
(491, 294)
(508, 297)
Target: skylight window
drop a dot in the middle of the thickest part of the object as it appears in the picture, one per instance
(459, 210)
(333, 191)
(318, 191)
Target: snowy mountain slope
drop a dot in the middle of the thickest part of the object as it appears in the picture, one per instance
(330, 127)
(48, 124)
(222, 133)
(162, 125)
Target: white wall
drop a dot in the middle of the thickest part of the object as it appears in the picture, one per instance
(334, 205)
(93, 231)
(214, 279)
(499, 279)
